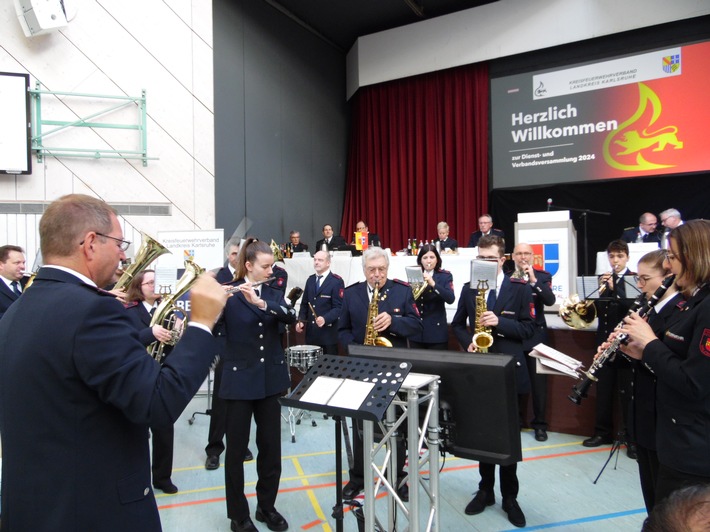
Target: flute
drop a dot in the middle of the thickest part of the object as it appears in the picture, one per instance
(579, 390)
(235, 289)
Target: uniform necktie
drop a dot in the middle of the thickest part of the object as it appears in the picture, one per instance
(491, 300)
(16, 288)
(619, 286)
(256, 291)
(152, 311)
(318, 282)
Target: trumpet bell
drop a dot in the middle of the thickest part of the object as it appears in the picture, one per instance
(149, 250)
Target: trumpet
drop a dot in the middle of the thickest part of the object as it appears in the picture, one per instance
(640, 306)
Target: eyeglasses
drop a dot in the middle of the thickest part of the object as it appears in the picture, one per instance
(524, 253)
(123, 245)
(643, 279)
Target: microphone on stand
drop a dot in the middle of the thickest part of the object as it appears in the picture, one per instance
(549, 203)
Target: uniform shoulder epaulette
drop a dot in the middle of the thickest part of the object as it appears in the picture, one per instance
(518, 280)
(442, 270)
(399, 281)
(629, 228)
(127, 305)
(541, 270)
(335, 275)
(355, 284)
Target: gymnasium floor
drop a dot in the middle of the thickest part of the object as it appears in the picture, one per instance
(556, 485)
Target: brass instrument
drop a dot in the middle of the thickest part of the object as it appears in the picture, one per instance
(373, 310)
(580, 314)
(149, 250)
(520, 273)
(482, 337)
(167, 312)
(640, 306)
(415, 278)
(418, 289)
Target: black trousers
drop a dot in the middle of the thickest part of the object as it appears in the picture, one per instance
(670, 479)
(509, 485)
(648, 474)
(162, 463)
(538, 385)
(267, 415)
(612, 379)
(218, 417)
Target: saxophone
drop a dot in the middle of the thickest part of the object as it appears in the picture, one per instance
(482, 337)
(373, 310)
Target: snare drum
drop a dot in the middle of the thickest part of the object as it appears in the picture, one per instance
(302, 357)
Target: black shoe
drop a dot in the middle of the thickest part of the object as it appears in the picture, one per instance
(248, 457)
(212, 463)
(515, 514)
(631, 451)
(403, 492)
(479, 502)
(246, 525)
(596, 441)
(540, 434)
(350, 490)
(165, 486)
(273, 519)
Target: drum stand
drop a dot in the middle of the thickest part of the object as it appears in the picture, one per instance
(208, 410)
(294, 418)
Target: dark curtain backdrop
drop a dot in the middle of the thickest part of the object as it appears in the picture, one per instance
(418, 154)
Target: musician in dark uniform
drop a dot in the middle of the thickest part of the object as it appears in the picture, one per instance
(12, 270)
(218, 410)
(332, 242)
(84, 392)
(254, 376)
(485, 228)
(612, 305)
(642, 417)
(397, 319)
(681, 362)
(373, 239)
(432, 302)
(511, 319)
(142, 301)
(444, 240)
(324, 294)
(540, 282)
(645, 232)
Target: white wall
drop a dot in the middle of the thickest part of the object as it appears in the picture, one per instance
(119, 47)
(501, 29)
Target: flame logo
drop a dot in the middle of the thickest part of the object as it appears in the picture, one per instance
(633, 141)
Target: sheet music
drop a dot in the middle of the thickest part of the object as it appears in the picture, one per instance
(484, 270)
(351, 394)
(321, 390)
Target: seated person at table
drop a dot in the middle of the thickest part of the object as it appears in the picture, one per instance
(442, 228)
(645, 232)
(372, 238)
(485, 228)
(295, 245)
(331, 241)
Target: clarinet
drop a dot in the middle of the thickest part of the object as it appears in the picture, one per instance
(640, 306)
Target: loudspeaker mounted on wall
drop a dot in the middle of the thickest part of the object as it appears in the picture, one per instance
(38, 17)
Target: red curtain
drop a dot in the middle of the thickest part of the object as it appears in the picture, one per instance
(418, 154)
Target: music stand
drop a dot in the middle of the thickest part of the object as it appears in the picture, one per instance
(349, 386)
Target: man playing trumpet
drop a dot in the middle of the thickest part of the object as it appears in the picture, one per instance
(612, 306)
